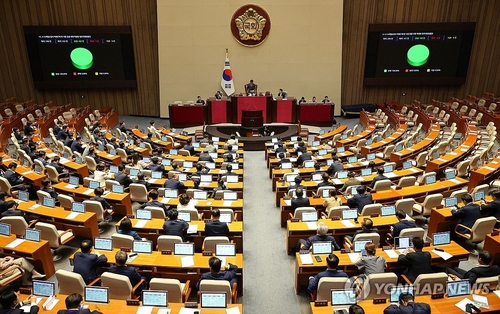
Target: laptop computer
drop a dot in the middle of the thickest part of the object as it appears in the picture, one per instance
(430, 179)
(349, 214)
(359, 245)
(321, 247)
(143, 214)
(213, 300)
(49, 202)
(396, 291)
(184, 248)
(309, 216)
(4, 229)
(78, 207)
(155, 298)
(93, 184)
(407, 164)
(32, 235)
(457, 288)
(450, 201)
(478, 196)
(117, 189)
(227, 249)
(142, 247)
(402, 243)
(105, 244)
(342, 297)
(44, 288)
(388, 210)
(96, 294)
(441, 238)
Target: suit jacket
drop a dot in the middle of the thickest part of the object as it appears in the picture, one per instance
(411, 308)
(155, 167)
(123, 179)
(104, 203)
(77, 147)
(481, 271)
(328, 183)
(155, 203)
(175, 227)
(216, 228)
(86, 265)
(82, 311)
(313, 282)
(359, 201)
(13, 177)
(378, 178)
(334, 168)
(33, 310)
(468, 215)
(56, 130)
(417, 263)
(282, 161)
(318, 238)
(302, 158)
(229, 275)
(15, 212)
(174, 184)
(205, 157)
(62, 135)
(51, 191)
(494, 209)
(59, 167)
(130, 272)
(399, 226)
(300, 202)
(190, 148)
(131, 233)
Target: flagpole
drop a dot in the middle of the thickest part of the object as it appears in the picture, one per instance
(227, 51)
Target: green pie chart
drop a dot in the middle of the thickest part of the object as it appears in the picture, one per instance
(418, 55)
(81, 58)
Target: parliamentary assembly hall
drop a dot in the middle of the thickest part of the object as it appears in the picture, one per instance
(223, 156)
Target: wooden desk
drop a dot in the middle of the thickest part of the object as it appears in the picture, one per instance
(158, 265)
(302, 272)
(27, 173)
(379, 146)
(329, 135)
(300, 230)
(439, 186)
(417, 148)
(111, 159)
(84, 225)
(492, 245)
(120, 306)
(486, 173)
(37, 252)
(154, 228)
(121, 203)
(205, 206)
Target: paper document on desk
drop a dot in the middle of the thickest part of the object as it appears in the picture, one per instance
(443, 255)
(311, 225)
(203, 184)
(337, 181)
(489, 168)
(34, 206)
(151, 181)
(164, 311)
(348, 223)
(187, 261)
(193, 202)
(88, 191)
(70, 186)
(51, 155)
(184, 310)
(234, 310)
(27, 172)
(452, 153)
(480, 301)
(461, 305)
(63, 160)
(165, 200)
(144, 310)
(140, 223)
(391, 253)
(72, 215)
(306, 259)
(413, 170)
(353, 256)
(497, 292)
(390, 175)
(455, 181)
(192, 229)
(14, 243)
(227, 203)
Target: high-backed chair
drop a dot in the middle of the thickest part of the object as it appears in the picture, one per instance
(65, 201)
(489, 282)
(335, 212)
(53, 175)
(56, 238)
(109, 184)
(11, 275)
(70, 282)
(119, 286)
(178, 292)
(386, 154)
(421, 160)
(382, 185)
(479, 230)
(300, 210)
(166, 242)
(374, 281)
(210, 242)
(220, 286)
(229, 211)
(481, 188)
(406, 205)
(428, 204)
(429, 283)
(326, 284)
(17, 224)
(373, 236)
(371, 209)
(463, 168)
(193, 212)
(122, 240)
(406, 181)
(41, 194)
(138, 193)
(6, 187)
(156, 212)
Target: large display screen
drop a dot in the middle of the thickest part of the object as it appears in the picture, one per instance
(81, 56)
(418, 54)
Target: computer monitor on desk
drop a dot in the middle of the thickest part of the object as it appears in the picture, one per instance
(184, 248)
(430, 179)
(321, 247)
(402, 243)
(93, 184)
(206, 178)
(286, 165)
(134, 172)
(73, 180)
(352, 160)
(388, 168)
(450, 201)
(142, 247)
(155, 298)
(370, 156)
(309, 164)
(407, 165)
(388, 210)
(4, 229)
(44, 288)
(343, 297)
(478, 196)
(349, 214)
(78, 207)
(200, 195)
(341, 149)
(441, 238)
(322, 152)
(397, 290)
(366, 172)
(49, 202)
(96, 294)
(342, 174)
(105, 244)
(359, 245)
(309, 216)
(225, 249)
(23, 196)
(458, 288)
(211, 300)
(450, 174)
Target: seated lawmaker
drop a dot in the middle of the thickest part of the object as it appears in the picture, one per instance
(282, 159)
(351, 181)
(335, 167)
(174, 226)
(9, 300)
(360, 200)
(415, 260)
(297, 183)
(402, 223)
(321, 235)
(85, 262)
(406, 305)
(120, 268)
(125, 228)
(74, 305)
(299, 200)
(153, 194)
(493, 207)
(332, 201)
(483, 270)
(366, 227)
(215, 264)
(467, 214)
(216, 227)
(174, 183)
(332, 262)
(326, 180)
(380, 176)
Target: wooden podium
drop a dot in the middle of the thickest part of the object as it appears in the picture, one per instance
(252, 119)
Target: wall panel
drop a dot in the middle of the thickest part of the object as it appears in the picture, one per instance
(15, 78)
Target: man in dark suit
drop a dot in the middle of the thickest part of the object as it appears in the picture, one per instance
(173, 226)
(15, 179)
(216, 227)
(380, 176)
(366, 227)
(282, 159)
(408, 306)
(63, 133)
(156, 165)
(131, 272)
(326, 180)
(5, 205)
(483, 270)
(416, 261)
(332, 262)
(215, 273)
(360, 200)
(122, 177)
(10, 303)
(74, 305)
(199, 100)
(189, 147)
(77, 146)
(401, 224)
(468, 215)
(85, 262)
(104, 203)
(321, 235)
(303, 157)
(299, 200)
(493, 207)
(296, 183)
(47, 188)
(205, 156)
(56, 164)
(17, 134)
(336, 166)
(13, 211)
(174, 183)
(153, 194)
(57, 127)
(124, 129)
(280, 148)
(301, 148)
(229, 171)
(140, 180)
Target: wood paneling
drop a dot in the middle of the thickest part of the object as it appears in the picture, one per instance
(15, 74)
(484, 66)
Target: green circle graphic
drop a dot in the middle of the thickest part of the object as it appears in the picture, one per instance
(82, 58)
(418, 55)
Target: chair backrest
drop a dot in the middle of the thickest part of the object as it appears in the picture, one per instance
(173, 286)
(91, 164)
(65, 201)
(122, 154)
(122, 240)
(374, 281)
(70, 282)
(193, 212)
(94, 207)
(49, 232)
(413, 232)
(156, 212)
(388, 151)
(210, 242)
(462, 168)
(17, 224)
(228, 211)
(337, 211)
(481, 188)
(382, 185)
(184, 152)
(375, 237)
(326, 284)
(407, 181)
(166, 242)
(138, 192)
(372, 209)
(421, 159)
(492, 106)
(430, 202)
(119, 285)
(41, 195)
(217, 285)
(482, 227)
(425, 175)
(39, 164)
(489, 282)
(406, 205)
(52, 174)
(110, 183)
(300, 210)
(426, 284)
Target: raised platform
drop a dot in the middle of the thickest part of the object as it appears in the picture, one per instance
(252, 138)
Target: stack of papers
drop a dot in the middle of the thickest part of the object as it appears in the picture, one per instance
(288, 202)
(306, 259)
(443, 255)
(72, 215)
(192, 229)
(140, 223)
(391, 253)
(187, 261)
(14, 243)
(311, 225)
(348, 223)
(353, 256)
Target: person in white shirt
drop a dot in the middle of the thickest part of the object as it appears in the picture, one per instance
(101, 174)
